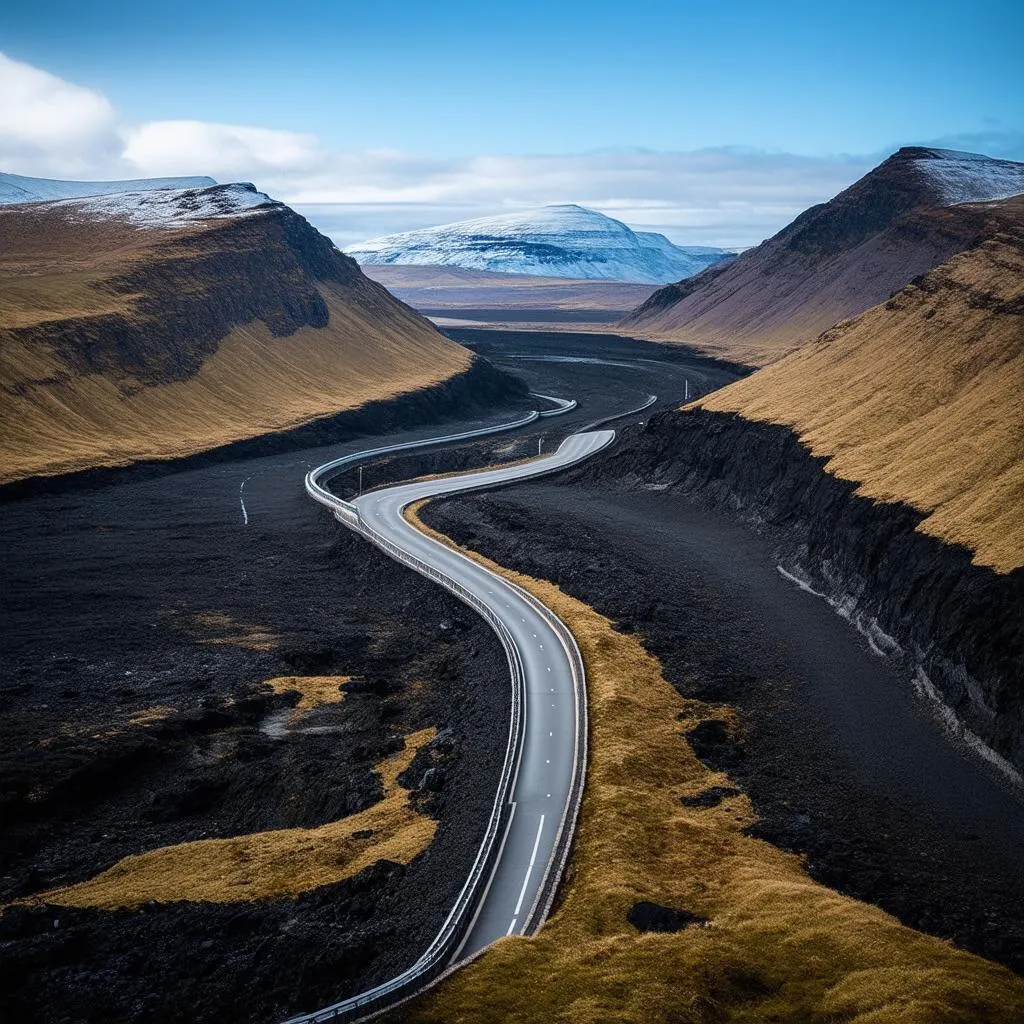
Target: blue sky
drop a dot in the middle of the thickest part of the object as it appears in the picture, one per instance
(447, 85)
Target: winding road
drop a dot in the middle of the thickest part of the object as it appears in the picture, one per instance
(513, 881)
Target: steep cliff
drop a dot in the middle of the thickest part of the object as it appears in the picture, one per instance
(835, 260)
(918, 400)
(158, 324)
(886, 459)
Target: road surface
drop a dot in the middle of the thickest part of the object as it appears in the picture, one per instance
(551, 728)
(538, 796)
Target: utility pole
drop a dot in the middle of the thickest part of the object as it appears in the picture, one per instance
(540, 441)
(687, 389)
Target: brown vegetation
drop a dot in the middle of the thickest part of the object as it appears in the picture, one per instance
(313, 691)
(122, 343)
(266, 865)
(776, 946)
(456, 288)
(919, 399)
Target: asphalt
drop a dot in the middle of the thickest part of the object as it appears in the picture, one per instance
(551, 743)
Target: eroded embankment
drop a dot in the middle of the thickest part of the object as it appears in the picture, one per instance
(956, 624)
(672, 912)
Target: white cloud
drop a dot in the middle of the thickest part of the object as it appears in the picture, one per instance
(724, 197)
(50, 126)
(227, 151)
(727, 196)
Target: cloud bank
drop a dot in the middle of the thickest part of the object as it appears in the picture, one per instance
(730, 196)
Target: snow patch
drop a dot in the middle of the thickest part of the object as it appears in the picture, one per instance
(970, 177)
(956, 729)
(170, 207)
(16, 188)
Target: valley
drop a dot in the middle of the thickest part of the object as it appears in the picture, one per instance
(250, 762)
(150, 616)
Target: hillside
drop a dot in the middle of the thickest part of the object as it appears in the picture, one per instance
(155, 324)
(835, 260)
(919, 399)
(566, 241)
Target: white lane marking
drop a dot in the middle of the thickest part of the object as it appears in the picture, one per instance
(549, 668)
(511, 927)
(551, 733)
(534, 634)
(541, 646)
(529, 870)
(241, 500)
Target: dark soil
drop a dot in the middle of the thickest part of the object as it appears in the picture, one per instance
(841, 760)
(135, 715)
(104, 609)
(652, 917)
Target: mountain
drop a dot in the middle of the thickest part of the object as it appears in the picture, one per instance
(566, 241)
(918, 399)
(160, 323)
(835, 260)
(14, 188)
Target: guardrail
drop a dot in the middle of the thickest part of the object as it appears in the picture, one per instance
(347, 509)
(563, 405)
(436, 959)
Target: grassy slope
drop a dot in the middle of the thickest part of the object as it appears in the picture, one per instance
(59, 417)
(777, 947)
(266, 865)
(919, 399)
(834, 261)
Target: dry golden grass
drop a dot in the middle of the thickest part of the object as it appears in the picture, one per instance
(254, 383)
(148, 716)
(313, 691)
(59, 419)
(919, 400)
(778, 946)
(231, 633)
(265, 865)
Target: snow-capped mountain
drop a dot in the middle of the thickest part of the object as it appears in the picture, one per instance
(837, 259)
(566, 241)
(15, 188)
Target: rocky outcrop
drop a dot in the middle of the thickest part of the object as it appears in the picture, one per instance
(955, 624)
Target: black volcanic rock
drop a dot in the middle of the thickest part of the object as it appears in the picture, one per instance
(710, 797)
(653, 917)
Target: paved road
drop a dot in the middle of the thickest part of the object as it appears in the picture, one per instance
(552, 731)
(544, 772)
